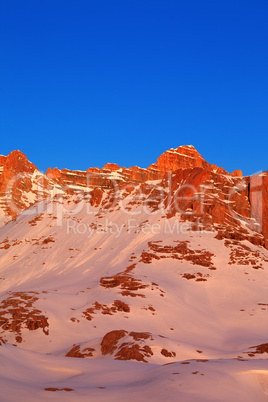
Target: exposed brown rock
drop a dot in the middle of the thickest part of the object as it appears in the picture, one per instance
(128, 350)
(116, 306)
(58, 389)
(243, 255)
(17, 312)
(109, 341)
(125, 281)
(180, 251)
(260, 349)
(48, 240)
(134, 352)
(79, 352)
(188, 276)
(166, 353)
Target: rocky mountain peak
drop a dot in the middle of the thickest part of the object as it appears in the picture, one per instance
(16, 162)
(183, 157)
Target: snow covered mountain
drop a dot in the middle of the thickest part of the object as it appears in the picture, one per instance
(133, 284)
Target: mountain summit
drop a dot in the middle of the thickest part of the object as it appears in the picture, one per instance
(183, 157)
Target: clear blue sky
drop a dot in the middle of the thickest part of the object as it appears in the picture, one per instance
(85, 82)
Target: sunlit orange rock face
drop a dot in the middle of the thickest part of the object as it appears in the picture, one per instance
(15, 181)
(53, 174)
(201, 194)
(111, 167)
(237, 173)
(212, 200)
(183, 157)
(15, 163)
(258, 188)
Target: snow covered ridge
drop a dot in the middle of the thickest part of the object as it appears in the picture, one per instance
(134, 286)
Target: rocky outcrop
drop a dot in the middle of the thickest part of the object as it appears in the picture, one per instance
(110, 340)
(133, 349)
(116, 306)
(237, 173)
(77, 351)
(18, 312)
(21, 184)
(180, 251)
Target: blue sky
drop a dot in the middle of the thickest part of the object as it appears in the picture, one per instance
(85, 82)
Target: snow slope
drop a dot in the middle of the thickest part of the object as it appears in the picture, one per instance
(177, 296)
